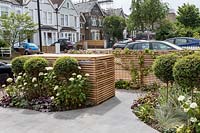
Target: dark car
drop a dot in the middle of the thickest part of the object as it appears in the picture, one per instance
(27, 48)
(184, 41)
(121, 44)
(152, 45)
(5, 72)
(65, 44)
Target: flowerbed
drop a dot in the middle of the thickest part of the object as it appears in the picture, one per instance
(174, 108)
(39, 87)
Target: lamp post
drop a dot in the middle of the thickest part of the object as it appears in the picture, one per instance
(39, 25)
(56, 11)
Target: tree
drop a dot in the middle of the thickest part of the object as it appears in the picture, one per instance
(114, 26)
(188, 15)
(166, 30)
(17, 28)
(145, 13)
(155, 11)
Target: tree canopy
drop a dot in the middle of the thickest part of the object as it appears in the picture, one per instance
(114, 26)
(189, 15)
(17, 28)
(145, 13)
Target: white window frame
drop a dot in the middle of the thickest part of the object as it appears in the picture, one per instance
(62, 19)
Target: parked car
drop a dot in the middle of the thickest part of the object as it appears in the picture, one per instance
(152, 45)
(184, 41)
(27, 48)
(121, 44)
(65, 44)
(5, 72)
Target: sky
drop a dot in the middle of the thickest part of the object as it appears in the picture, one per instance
(173, 4)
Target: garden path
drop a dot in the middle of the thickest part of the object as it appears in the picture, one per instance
(113, 116)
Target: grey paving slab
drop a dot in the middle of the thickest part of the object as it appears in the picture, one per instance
(113, 116)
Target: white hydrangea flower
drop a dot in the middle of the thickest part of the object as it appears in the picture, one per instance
(49, 68)
(71, 79)
(79, 76)
(87, 75)
(52, 97)
(41, 74)
(9, 80)
(193, 105)
(34, 79)
(181, 98)
(3, 86)
(20, 86)
(24, 74)
(193, 119)
(20, 73)
(25, 83)
(23, 88)
(56, 87)
(79, 67)
(73, 74)
(186, 110)
(35, 85)
(57, 94)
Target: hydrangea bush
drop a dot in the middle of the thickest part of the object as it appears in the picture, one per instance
(41, 89)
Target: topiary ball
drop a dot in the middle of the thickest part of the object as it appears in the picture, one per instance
(186, 71)
(163, 66)
(65, 66)
(35, 65)
(18, 64)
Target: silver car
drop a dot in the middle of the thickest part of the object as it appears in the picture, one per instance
(152, 45)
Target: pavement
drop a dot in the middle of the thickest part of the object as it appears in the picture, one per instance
(112, 116)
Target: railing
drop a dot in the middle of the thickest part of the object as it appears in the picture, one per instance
(5, 52)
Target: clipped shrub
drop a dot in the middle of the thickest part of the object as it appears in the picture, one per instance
(186, 71)
(35, 65)
(163, 66)
(18, 64)
(65, 66)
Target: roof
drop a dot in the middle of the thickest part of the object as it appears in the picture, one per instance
(115, 12)
(86, 7)
(15, 2)
(59, 2)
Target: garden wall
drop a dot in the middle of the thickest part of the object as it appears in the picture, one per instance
(101, 70)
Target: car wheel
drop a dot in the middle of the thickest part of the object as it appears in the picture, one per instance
(26, 53)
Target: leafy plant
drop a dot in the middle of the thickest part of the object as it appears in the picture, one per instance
(162, 68)
(73, 94)
(186, 72)
(18, 64)
(35, 65)
(65, 66)
(122, 84)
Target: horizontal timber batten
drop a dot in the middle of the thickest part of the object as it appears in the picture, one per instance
(101, 69)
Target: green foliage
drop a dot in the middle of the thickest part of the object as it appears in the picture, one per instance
(169, 117)
(188, 15)
(186, 71)
(73, 94)
(114, 26)
(196, 35)
(121, 84)
(17, 28)
(146, 13)
(18, 64)
(65, 66)
(35, 65)
(3, 43)
(163, 66)
(165, 31)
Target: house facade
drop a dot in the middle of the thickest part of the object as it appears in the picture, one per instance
(93, 15)
(59, 18)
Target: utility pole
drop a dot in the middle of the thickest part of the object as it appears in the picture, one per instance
(39, 25)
